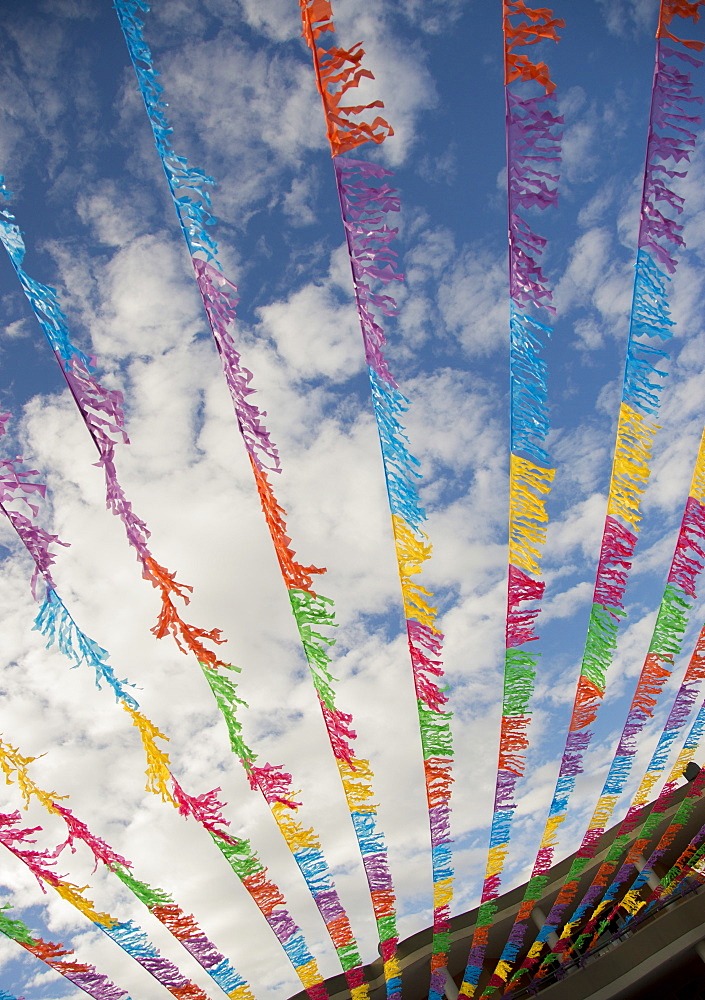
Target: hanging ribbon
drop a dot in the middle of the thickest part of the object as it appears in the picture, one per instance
(55, 622)
(671, 623)
(127, 935)
(631, 902)
(635, 818)
(180, 924)
(658, 243)
(59, 959)
(533, 134)
(311, 610)
(366, 199)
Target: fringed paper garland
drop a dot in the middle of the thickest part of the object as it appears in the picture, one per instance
(658, 243)
(366, 199)
(58, 958)
(55, 622)
(636, 907)
(310, 609)
(180, 924)
(533, 132)
(670, 626)
(607, 907)
(127, 935)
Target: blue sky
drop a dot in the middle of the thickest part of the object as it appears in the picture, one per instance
(99, 226)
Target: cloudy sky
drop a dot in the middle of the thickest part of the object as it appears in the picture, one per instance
(90, 196)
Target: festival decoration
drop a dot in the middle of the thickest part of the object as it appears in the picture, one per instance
(366, 199)
(589, 934)
(533, 155)
(127, 935)
(56, 623)
(671, 623)
(160, 904)
(658, 241)
(310, 609)
(58, 958)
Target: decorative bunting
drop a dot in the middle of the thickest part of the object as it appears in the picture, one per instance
(310, 609)
(634, 817)
(366, 199)
(180, 924)
(59, 959)
(533, 157)
(128, 936)
(658, 242)
(56, 623)
(670, 626)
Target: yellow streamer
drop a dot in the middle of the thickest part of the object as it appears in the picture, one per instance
(631, 902)
(630, 471)
(684, 757)
(647, 783)
(356, 776)
(72, 894)
(549, 833)
(392, 968)
(11, 760)
(309, 974)
(697, 486)
(603, 811)
(158, 774)
(294, 834)
(496, 856)
(442, 892)
(528, 486)
(534, 952)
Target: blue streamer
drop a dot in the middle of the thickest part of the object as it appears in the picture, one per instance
(56, 624)
(529, 387)
(187, 185)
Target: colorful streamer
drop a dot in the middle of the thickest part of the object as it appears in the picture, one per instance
(160, 904)
(366, 199)
(670, 626)
(127, 935)
(533, 158)
(311, 610)
(631, 902)
(56, 623)
(59, 959)
(658, 243)
(590, 932)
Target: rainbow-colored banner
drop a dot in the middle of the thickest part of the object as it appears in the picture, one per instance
(636, 907)
(182, 925)
(658, 241)
(366, 199)
(533, 130)
(311, 610)
(56, 623)
(671, 623)
(58, 958)
(127, 935)
(625, 834)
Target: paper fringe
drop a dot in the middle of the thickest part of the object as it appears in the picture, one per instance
(128, 936)
(183, 926)
(658, 240)
(529, 391)
(58, 958)
(529, 484)
(540, 25)
(337, 71)
(56, 623)
(219, 301)
(364, 206)
(533, 159)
